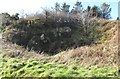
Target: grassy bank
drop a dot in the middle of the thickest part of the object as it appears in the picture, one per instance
(15, 67)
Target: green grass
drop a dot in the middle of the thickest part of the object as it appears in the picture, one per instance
(14, 67)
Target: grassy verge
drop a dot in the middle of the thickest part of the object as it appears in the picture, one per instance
(14, 67)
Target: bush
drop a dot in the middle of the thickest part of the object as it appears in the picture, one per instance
(53, 35)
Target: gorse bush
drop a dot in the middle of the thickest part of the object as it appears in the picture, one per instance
(52, 34)
(55, 30)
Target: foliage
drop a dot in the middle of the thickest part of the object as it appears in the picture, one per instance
(13, 67)
(65, 9)
(8, 19)
(57, 7)
(77, 8)
(103, 51)
(51, 35)
(106, 11)
(52, 32)
(100, 12)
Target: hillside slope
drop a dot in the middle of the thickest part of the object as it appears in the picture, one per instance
(99, 59)
(102, 53)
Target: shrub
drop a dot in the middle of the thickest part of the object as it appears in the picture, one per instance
(53, 35)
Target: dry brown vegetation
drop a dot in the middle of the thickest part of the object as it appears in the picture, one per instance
(103, 53)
